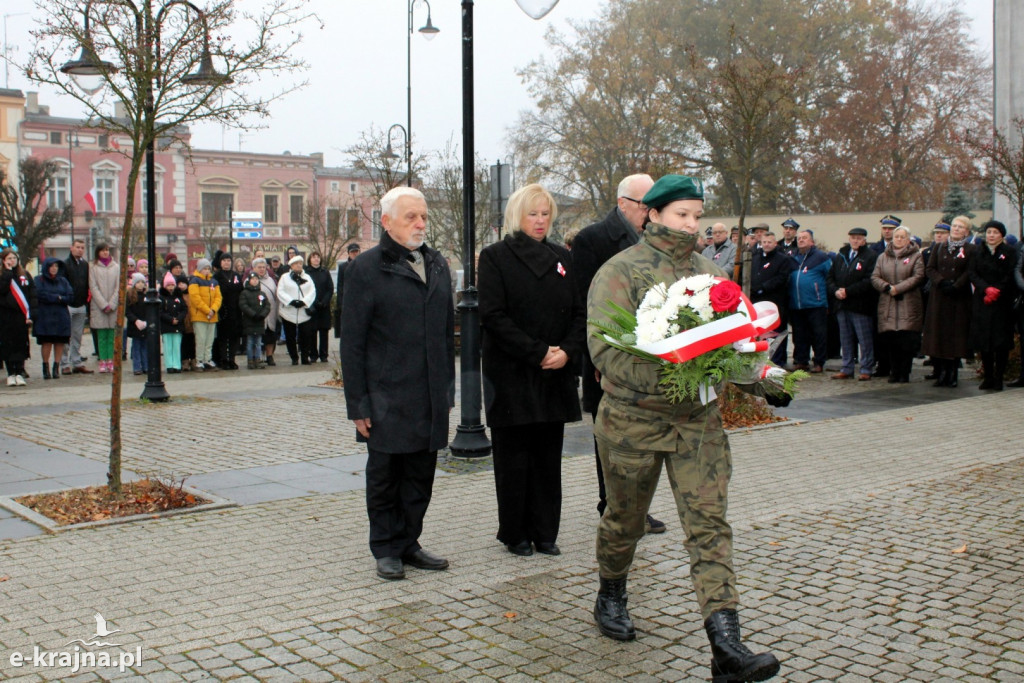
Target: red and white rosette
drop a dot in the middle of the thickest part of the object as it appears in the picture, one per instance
(740, 329)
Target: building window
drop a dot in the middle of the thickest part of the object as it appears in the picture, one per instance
(106, 191)
(57, 196)
(214, 206)
(159, 185)
(335, 186)
(333, 221)
(297, 205)
(270, 202)
(352, 188)
(376, 225)
(55, 137)
(352, 223)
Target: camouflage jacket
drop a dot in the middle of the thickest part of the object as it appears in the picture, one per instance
(630, 383)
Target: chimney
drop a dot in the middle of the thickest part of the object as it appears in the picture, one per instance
(318, 157)
(31, 102)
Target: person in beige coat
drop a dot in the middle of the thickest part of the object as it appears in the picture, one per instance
(898, 277)
(104, 289)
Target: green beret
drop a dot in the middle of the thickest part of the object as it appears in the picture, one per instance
(670, 188)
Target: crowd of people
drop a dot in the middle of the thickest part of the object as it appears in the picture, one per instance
(892, 300)
(224, 308)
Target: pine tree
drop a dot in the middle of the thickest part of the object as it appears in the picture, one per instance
(957, 203)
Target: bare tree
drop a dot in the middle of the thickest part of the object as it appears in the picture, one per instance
(325, 232)
(444, 182)
(23, 211)
(1004, 155)
(369, 156)
(146, 58)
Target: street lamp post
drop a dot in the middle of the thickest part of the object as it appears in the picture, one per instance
(470, 436)
(428, 31)
(89, 64)
(72, 135)
(389, 153)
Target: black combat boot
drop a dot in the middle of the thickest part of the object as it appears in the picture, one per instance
(610, 611)
(731, 661)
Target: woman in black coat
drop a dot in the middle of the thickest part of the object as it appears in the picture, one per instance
(321, 313)
(534, 331)
(229, 318)
(17, 301)
(947, 320)
(51, 319)
(991, 273)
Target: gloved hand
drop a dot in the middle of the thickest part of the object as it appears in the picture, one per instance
(778, 400)
(991, 295)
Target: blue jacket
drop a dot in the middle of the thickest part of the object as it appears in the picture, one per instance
(50, 317)
(807, 283)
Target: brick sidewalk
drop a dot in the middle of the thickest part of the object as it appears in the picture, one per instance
(846, 532)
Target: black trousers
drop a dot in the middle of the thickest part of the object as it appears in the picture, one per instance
(398, 489)
(810, 331)
(528, 480)
(298, 339)
(320, 348)
(901, 348)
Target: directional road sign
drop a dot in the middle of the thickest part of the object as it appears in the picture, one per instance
(248, 234)
(247, 225)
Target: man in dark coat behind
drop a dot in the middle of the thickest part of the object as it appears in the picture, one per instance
(76, 270)
(353, 251)
(594, 245)
(769, 281)
(398, 365)
(856, 301)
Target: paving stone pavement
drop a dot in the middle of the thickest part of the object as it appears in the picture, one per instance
(869, 548)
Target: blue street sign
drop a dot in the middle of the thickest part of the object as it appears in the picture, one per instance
(248, 234)
(247, 225)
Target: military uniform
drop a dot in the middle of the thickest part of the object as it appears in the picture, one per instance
(638, 429)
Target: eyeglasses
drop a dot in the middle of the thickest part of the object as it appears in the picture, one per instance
(638, 202)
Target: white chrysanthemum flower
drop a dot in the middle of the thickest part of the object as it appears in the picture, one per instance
(655, 330)
(699, 283)
(701, 300)
(655, 297)
(676, 300)
(706, 313)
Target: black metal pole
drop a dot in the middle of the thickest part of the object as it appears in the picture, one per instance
(470, 436)
(408, 100)
(71, 190)
(154, 389)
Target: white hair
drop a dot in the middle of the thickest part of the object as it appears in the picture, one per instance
(389, 200)
(905, 229)
(626, 182)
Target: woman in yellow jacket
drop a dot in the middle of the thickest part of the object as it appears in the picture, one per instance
(204, 302)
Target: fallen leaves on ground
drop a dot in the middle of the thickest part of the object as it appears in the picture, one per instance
(740, 410)
(97, 503)
(961, 549)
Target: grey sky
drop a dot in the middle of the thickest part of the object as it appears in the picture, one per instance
(358, 74)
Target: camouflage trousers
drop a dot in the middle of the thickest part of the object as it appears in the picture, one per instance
(698, 470)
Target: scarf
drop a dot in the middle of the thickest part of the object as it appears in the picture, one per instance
(106, 261)
(954, 245)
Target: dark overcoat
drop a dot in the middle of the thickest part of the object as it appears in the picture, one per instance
(77, 273)
(947, 319)
(591, 248)
(53, 296)
(324, 285)
(398, 348)
(529, 302)
(14, 344)
(992, 324)
(769, 278)
(855, 277)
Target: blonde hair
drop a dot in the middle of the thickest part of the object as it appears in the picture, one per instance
(522, 201)
(966, 221)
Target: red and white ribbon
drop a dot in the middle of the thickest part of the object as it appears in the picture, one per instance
(740, 329)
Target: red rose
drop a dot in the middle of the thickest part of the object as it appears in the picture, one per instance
(725, 296)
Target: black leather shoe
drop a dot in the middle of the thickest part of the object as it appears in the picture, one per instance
(548, 549)
(390, 568)
(1019, 382)
(421, 559)
(523, 548)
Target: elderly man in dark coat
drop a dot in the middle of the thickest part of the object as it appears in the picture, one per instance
(856, 301)
(398, 364)
(594, 245)
(947, 320)
(769, 281)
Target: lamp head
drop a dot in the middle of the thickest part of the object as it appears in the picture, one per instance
(207, 75)
(88, 64)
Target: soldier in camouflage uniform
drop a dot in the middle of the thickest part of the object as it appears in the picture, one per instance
(638, 429)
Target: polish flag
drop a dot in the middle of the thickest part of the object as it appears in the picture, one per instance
(90, 199)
